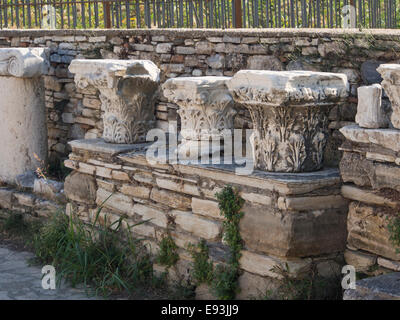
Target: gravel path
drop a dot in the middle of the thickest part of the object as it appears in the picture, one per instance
(21, 281)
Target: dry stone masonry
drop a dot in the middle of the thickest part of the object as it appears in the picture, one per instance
(289, 110)
(298, 219)
(370, 171)
(22, 111)
(206, 112)
(127, 94)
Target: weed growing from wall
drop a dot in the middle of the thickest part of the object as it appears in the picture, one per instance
(225, 283)
(394, 230)
(202, 265)
(168, 254)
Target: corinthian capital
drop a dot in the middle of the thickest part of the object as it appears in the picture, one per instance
(127, 91)
(206, 106)
(289, 113)
(23, 62)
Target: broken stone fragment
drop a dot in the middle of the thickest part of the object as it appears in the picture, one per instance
(370, 113)
(391, 84)
(289, 110)
(127, 93)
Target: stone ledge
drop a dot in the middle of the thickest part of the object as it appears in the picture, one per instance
(196, 33)
(387, 138)
(98, 145)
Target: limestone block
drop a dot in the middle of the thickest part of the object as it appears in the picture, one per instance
(391, 84)
(206, 110)
(253, 286)
(387, 138)
(370, 113)
(6, 198)
(367, 230)
(289, 111)
(127, 93)
(367, 196)
(80, 187)
(155, 216)
(206, 208)
(293, 234)
(115, 201)
(192, 223)
(355, 168)
(360, 260)
(266, 265)
(47, 188)
(389, 264)
(171, 199)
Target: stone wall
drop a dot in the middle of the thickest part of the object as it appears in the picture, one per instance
(74, 114)
(370, 171)
(298, 219)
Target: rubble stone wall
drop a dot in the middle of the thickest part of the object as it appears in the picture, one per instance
(75, 114)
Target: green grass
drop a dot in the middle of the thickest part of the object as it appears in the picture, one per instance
(102, 256)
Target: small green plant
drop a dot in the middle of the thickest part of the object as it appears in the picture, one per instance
(168, 254)
(225, 284)
(202, 266)
(394, 230)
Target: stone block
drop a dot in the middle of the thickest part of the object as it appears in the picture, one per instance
(154, 215)
(370, 113)
(206, 208)
(80, 187)
(196, 225)
(368, 230)
(360, 260)
(293, 234)
(170, 199)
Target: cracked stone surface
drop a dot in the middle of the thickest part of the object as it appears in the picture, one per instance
(21, 281)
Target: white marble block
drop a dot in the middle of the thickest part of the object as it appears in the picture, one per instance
(391, 84)
(289, 112)
(23, 128)
(127, 93)
(370, 113)
(206, 109)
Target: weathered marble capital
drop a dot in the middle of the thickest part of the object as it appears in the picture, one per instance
(391, 84)
(289, 112)
(23, 62)
(206, 107)
(127, 92)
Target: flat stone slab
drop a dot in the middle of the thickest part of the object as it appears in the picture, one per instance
(20, 281)
(387, 138)
(99, 145)
(284, 183)
(384, 287)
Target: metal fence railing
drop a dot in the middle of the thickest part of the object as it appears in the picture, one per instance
(87, 14)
